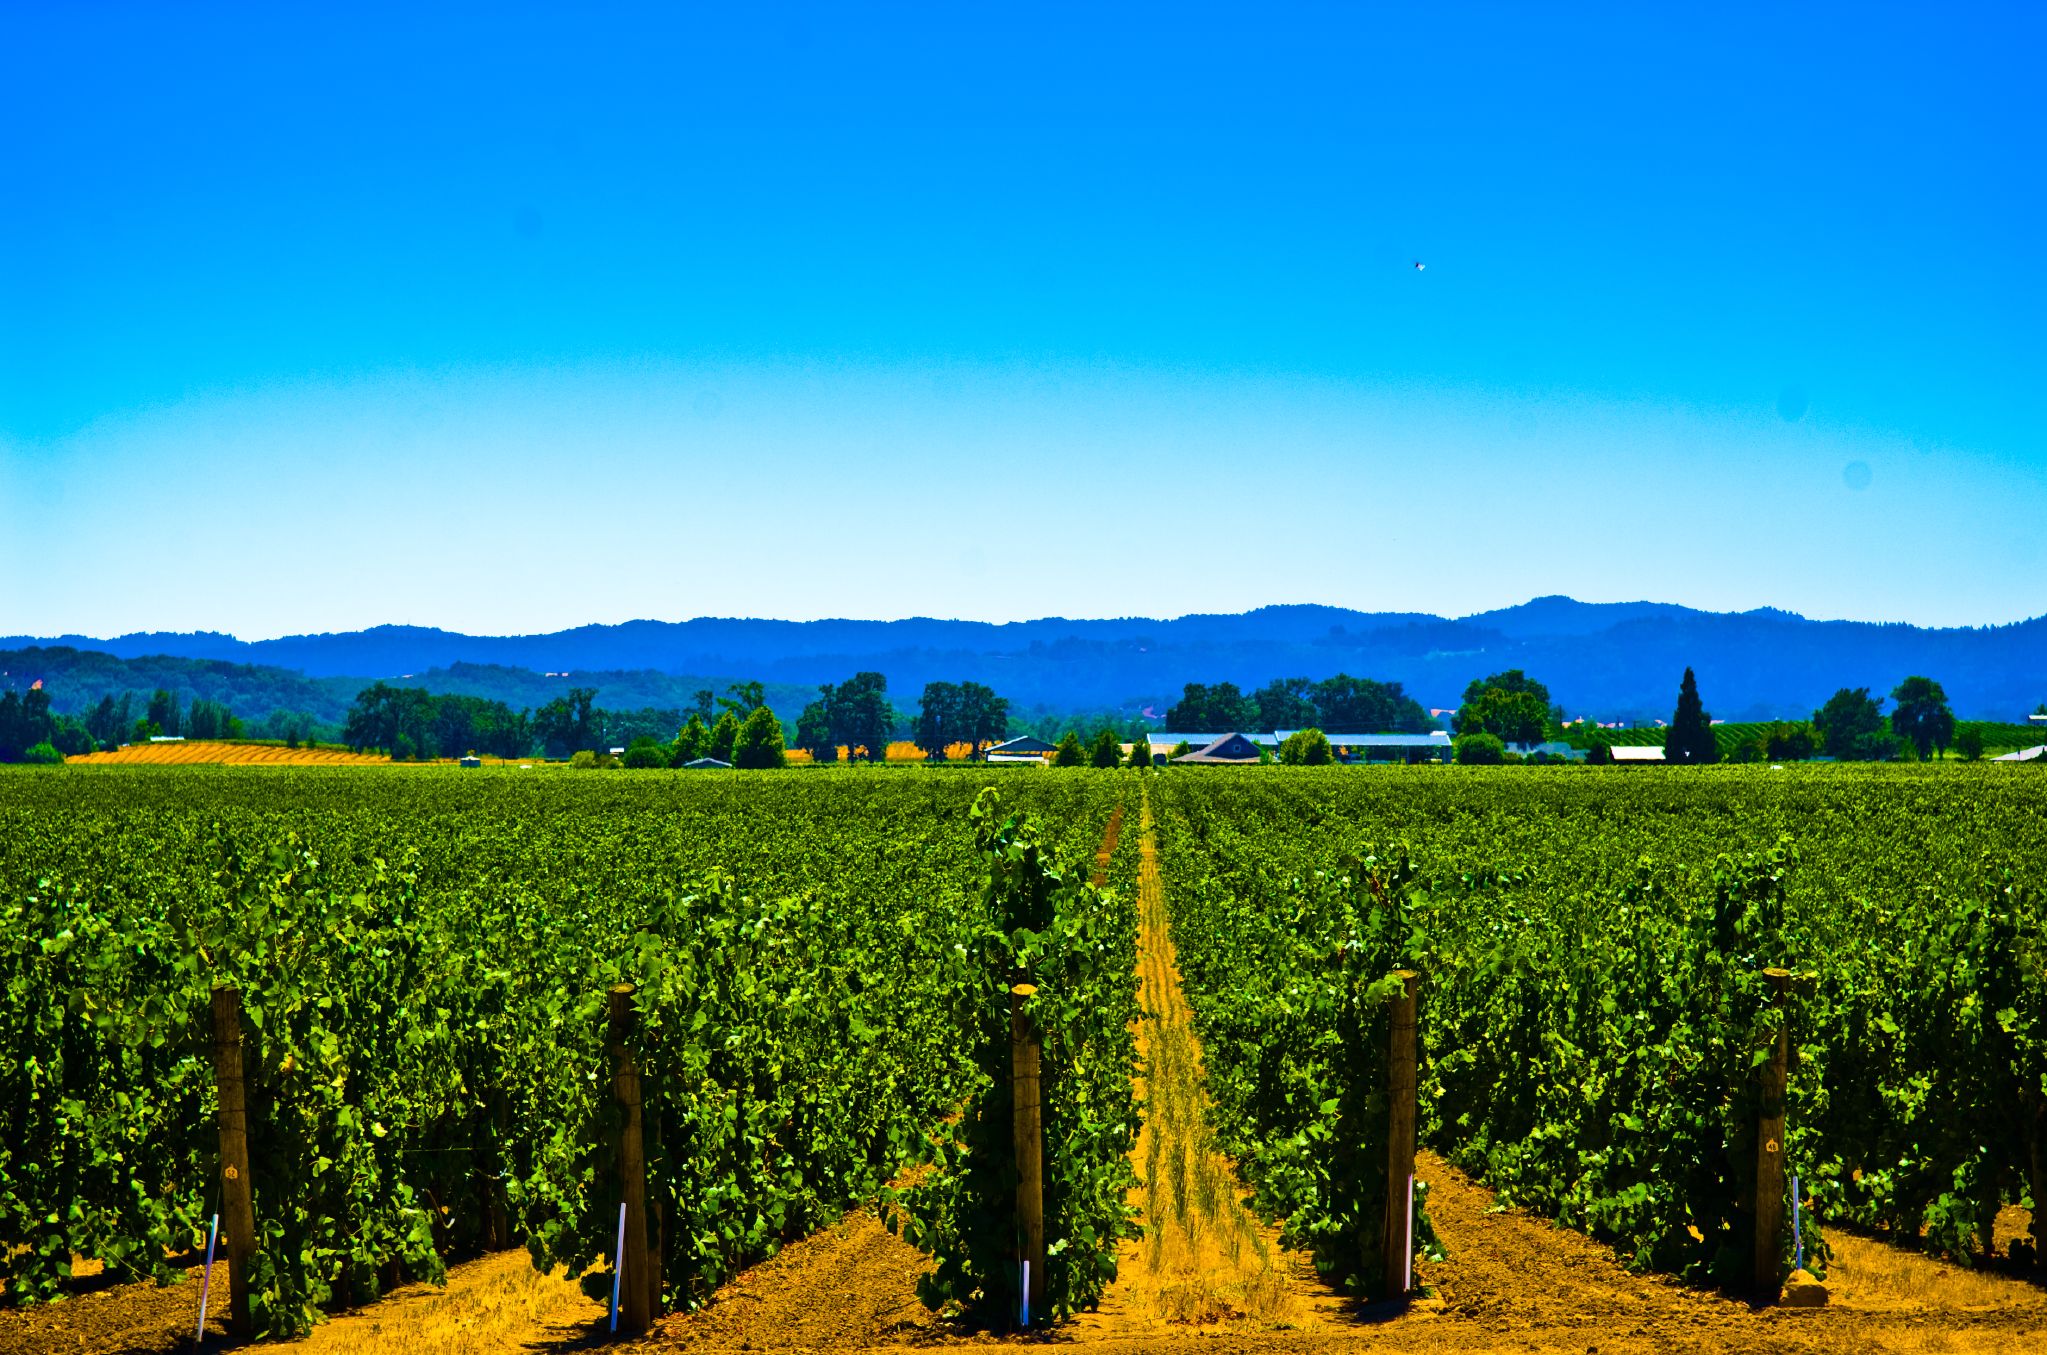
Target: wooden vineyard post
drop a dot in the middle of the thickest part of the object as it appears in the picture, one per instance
(1767, 1207)
(1027, 1124)
(641, 1286)
(1396, 1239)
(2036, 1170)
(237, 1201)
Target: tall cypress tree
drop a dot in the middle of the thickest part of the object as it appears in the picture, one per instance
(1691, 729)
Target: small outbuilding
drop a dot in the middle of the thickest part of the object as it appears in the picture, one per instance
(1022, 749)
(1232, 750)
(472, 761)
(702, 763)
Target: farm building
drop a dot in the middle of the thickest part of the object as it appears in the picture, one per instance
(472, 761)
(1024, 749)
(1625, 752)
(1348, 747)
(1165, 741)
(1228, 750)
(2037, 751)
(705, 763)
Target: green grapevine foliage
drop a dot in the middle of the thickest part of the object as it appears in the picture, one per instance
(1039, 922)
(1593, 1008)
(422, 959)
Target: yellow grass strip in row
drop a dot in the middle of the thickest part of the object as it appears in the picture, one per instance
(223, 752)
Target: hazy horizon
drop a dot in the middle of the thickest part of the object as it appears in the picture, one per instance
(504, 322)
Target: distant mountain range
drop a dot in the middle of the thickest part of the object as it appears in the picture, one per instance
(1606, 659)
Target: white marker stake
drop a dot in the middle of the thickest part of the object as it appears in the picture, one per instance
(618, 1266)
(1026, 1293)
(1797, 1233)
(1407, 1275)
(206, 1279)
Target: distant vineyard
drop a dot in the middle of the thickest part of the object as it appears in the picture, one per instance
(221, 752)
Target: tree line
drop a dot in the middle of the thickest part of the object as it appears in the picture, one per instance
(1511, 707)
(1336, 705)
(30, 731)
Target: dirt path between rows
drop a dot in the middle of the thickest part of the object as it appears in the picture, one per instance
(1205, 1261)
(1206, 1276)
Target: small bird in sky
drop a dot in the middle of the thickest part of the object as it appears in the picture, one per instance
(1419, 265)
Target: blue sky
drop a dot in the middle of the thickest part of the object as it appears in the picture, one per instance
(510, 321)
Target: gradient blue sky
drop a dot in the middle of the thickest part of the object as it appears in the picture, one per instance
(507, 321)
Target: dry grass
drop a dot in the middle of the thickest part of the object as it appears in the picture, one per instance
(224, 752)
(1204, 1258)
(498, 1303)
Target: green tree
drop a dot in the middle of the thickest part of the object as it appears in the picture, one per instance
(1140, 752)
(1510, 706)
(1070, 752)
(984, 716)
(1107, 750)
(1306, 748)
(690, 740)
(1690, 740)
(42, 755)
(759, 745)
(1920, 716)
(72, 738)
(1286, 703)
(1793, 741)
(814, 732)
(1851, 727)
(567, 724)
(25, 721)
(941, 719)
(1969, 743)
(1480, 749)
(858, 715)
(1599, 752)
(1180, 749)
(723, 736)
(111, 721)
(163, 711)
(644, 753)
(744, 698)
(1348, 705)
(1220, 709)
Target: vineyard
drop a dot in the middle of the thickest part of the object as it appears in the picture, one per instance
(1597, 958)
(423, 966)
(221, 752)
(480, 1011)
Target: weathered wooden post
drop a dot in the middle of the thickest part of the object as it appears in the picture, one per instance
(1396, 1238)
(1767, 1207)
(237, 1200)
(1028, 1126)
(2036, 1167)
(640, 1293)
